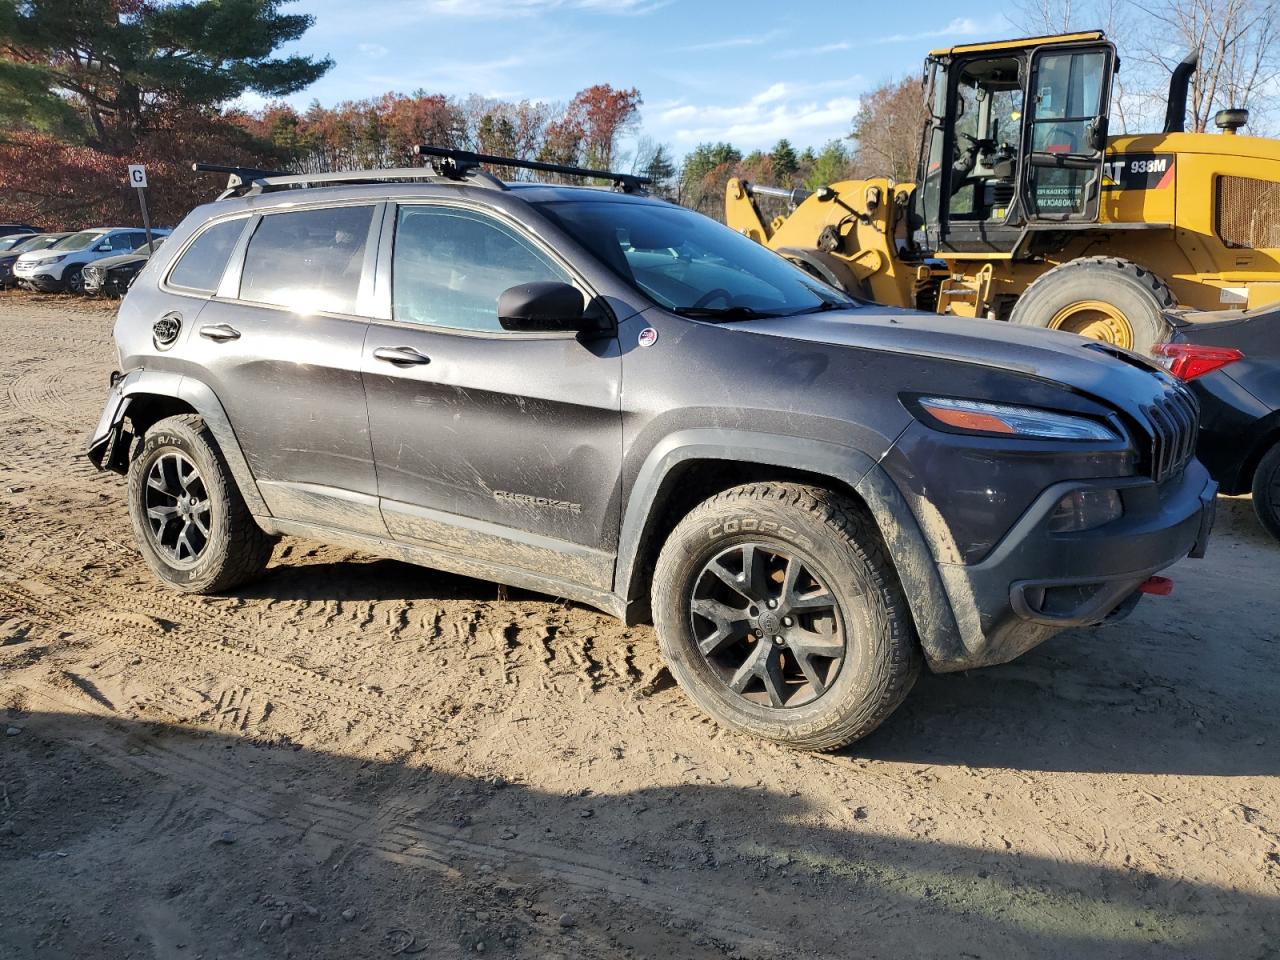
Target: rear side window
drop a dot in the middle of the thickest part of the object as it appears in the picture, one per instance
(451, 265)
(308, 260)
(201, 266)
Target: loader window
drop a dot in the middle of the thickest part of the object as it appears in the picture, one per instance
(988, 126)
(1069, 93)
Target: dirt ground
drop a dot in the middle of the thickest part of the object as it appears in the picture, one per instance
(356, 758)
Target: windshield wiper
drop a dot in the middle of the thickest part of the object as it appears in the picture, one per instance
(726, 313)
(822, 307)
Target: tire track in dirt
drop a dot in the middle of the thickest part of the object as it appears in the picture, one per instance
(404, 833)
(163, 639)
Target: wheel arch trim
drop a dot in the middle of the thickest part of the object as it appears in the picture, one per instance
(198, 395)
(931, 610)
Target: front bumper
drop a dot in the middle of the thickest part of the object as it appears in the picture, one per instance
(44, 282)
(1036, 582)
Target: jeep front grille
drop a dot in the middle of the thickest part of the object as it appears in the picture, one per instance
(1174, 423)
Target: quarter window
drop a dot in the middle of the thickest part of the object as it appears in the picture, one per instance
(308, 260)
(201, 266)
(451, 265)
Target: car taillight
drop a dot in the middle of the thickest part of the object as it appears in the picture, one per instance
(1186, 361)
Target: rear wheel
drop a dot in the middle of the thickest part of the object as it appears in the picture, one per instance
(781, 616)
(191, 524)
(1102, 298)
(1266, 491)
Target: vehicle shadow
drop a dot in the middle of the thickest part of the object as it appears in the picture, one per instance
(1140, 697)
(372, 580)
(132, 839)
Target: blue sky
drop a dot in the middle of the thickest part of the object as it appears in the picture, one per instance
(744, 71)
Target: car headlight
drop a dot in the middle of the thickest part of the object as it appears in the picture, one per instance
(999, 419)
(44, 261)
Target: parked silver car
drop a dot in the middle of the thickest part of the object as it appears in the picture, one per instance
(14, 246)
(62, 268)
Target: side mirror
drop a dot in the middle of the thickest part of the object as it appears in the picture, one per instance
(103, 248)
(541, 307)
(1097, 134)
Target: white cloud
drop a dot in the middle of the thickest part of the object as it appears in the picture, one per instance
(961, 28)
(489, 78)
(803, 113)
(374, 51)
(729, 43)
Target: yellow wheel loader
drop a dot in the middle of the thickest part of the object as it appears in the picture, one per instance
(1026, 210)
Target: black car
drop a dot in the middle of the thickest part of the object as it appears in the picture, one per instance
(9, 229)
(14, 246)
(113, 276)
(1231, 361)
(609, 398)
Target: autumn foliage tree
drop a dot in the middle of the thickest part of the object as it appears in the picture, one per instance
(887, 130)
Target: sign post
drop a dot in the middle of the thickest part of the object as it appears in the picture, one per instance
(138, 179)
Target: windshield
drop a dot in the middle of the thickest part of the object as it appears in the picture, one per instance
(78, 241)
(35, 243)
(689, 263)
(12, 243)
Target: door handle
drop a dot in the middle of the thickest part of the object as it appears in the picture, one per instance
(401, 356)
(219, 332)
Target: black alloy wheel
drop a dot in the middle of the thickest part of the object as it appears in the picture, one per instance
(768, 625)
(179, 514)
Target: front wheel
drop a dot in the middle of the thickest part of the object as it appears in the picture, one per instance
(191, 524)
(1266, 491)
(74, 281)
(780, 615)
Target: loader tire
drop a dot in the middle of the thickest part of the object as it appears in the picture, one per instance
(1102, 298)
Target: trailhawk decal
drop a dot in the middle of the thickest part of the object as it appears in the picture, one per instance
(1138, 171)
(528, 500)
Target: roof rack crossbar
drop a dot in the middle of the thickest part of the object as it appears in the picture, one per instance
(457, 164)
(237, 177)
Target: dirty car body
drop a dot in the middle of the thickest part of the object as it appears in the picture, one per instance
(558, 460)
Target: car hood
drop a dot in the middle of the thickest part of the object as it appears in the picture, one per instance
(120, 260)
(1108, 373)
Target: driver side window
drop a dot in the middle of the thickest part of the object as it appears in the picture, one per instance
(450, 265)
(988, 126)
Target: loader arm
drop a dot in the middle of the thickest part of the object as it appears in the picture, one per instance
(847, 234)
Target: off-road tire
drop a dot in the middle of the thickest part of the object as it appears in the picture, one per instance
(883, 655)
(1137, 293)
(1266, 491)
(237, 549)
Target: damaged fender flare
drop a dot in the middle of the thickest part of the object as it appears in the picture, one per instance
(200, 397)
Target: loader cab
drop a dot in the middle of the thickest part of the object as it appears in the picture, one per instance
(1014, 142)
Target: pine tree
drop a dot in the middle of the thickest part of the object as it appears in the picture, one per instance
(125, 68)
(785, 161)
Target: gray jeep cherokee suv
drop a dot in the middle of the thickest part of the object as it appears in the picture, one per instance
(605, 397)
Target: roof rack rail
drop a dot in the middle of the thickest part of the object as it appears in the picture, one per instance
(246, 181)
(457, 164)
